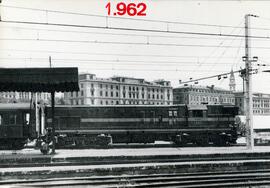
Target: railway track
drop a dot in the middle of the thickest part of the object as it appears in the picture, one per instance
(107, 160)
(248, 178)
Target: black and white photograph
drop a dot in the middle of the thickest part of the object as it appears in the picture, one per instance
(134, 93)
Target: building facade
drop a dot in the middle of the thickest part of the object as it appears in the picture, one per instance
(12, 97)
(193, 95)
(119, 90)
(261, 103)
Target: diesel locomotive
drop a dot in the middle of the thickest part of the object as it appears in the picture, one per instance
(181, 124)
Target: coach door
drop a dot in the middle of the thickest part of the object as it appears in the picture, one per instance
(26, 123)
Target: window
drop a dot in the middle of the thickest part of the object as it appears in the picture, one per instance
(116, 94)
(197, 113)
(81, 85)
(100, 85)
(12, 119)
(92, 85)
(81, 93)
(92, 101)
(111, 94)
(116, 87)
(111, 86)
(92, 93)
(106, 93)
(26, 119)
(0, 119)
(101, 93)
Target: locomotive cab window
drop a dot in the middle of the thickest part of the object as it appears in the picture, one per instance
(197, 113)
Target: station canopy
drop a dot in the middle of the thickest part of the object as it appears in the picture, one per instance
(39, 79)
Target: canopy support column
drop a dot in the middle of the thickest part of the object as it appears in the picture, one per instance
(53, 122)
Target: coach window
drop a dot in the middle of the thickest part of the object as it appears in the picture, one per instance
(27, 119)
(175, 113)
(12, 119)
(170, 113)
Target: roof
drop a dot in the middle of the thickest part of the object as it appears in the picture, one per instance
(9, 106)
(197, 107)
(117, 106)
(39, 79)
(202, 87)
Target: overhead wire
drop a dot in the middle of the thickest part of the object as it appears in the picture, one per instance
(106, 54)
(117, 43)
(159, 63)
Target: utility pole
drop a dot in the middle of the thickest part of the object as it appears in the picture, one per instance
(248, 83)
(53, 121)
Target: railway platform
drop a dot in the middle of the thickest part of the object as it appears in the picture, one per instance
(30, 165)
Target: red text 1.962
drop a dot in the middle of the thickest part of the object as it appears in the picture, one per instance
(131, 9)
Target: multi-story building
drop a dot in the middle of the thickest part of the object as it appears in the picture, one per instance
(11, 97)
(119, 90)
(193, 95)
(261, 103)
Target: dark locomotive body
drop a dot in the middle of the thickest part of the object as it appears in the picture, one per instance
(16, 125)
(182, 124)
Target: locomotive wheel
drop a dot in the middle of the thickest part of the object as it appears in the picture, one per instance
(180, 140)
(202, 142)
(17, 145)
(220, 142)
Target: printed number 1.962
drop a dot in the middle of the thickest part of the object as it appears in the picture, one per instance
(131, 9)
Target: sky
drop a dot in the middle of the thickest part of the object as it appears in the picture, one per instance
(167, 54)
